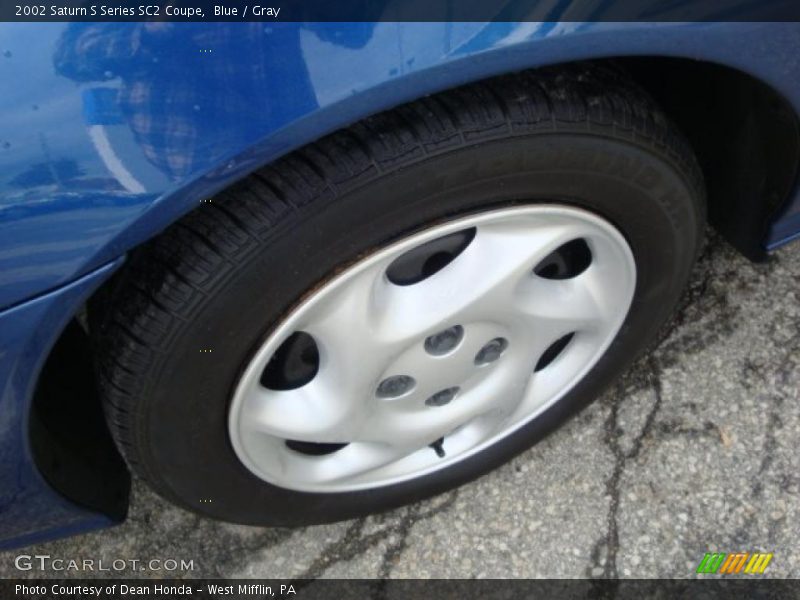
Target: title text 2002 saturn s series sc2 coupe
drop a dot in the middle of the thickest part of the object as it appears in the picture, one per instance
(303, 272)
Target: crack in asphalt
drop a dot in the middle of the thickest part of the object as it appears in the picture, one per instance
(773, 422)
(355, 543)
(605, 550)
(701, 298)
(220, 544)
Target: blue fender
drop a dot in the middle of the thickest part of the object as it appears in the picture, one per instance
(30, 510)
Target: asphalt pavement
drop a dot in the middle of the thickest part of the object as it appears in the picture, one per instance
(694, 450)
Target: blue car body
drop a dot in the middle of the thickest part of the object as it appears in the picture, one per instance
(109, 132)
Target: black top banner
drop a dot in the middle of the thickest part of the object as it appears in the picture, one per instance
(399, 10)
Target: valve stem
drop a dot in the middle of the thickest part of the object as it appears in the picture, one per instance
(438, 447)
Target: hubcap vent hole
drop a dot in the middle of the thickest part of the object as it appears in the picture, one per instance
(553, 351)
(444, 341)
(443, 397)
(429, 258)
(293, 365)
(312, 448)
(395, 386)
(567, 261)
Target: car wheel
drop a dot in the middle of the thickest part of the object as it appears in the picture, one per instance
(404, 305)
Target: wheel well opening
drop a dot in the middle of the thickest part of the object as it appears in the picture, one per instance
(745, 135)
(70, 441)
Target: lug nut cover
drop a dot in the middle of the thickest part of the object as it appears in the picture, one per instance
(444, 341)
(442, 397)
(491, 351)
(395, 386)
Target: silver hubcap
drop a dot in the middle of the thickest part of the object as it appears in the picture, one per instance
(432, 349)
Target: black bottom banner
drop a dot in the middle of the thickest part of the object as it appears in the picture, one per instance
(400, 589)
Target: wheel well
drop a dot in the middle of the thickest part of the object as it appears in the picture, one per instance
(70, 442)
(745, 135)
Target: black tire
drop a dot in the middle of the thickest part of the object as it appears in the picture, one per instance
(583, 136)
